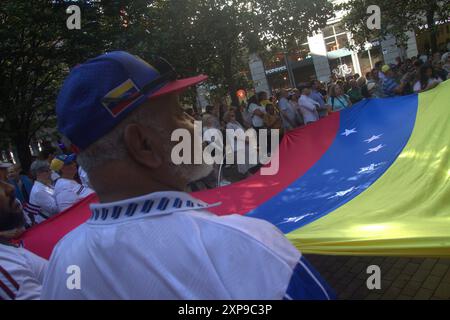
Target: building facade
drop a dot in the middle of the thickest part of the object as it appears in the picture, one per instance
(326, 53)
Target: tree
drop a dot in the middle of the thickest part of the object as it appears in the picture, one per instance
(37, 51)
(215, 36)
(197, 36)
(397, 18)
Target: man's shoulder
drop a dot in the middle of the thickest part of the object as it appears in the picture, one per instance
(66, 184)
(14, 255)
(39, 190)
(69, 239)
(235, 229)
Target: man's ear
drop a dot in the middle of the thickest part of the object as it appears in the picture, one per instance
(143, 146)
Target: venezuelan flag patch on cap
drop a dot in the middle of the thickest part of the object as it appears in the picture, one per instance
(121, 97)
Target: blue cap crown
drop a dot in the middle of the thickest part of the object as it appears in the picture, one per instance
(100, 93)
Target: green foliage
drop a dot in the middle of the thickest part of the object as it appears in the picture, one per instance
(196, 36)
(397, 17)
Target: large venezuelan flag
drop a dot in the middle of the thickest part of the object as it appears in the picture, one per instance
(373, 179)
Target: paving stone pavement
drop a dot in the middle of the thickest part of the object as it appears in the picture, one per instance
(401, 278)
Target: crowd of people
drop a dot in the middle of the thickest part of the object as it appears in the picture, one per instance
(54, 183)
(288, 108)
(412, 75)
(291, 108)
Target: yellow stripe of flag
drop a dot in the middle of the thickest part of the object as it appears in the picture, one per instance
(120, 90)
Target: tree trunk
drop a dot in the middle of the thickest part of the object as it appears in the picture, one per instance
(432, 28)
(231, 86)
(23, 151)
(232, 92)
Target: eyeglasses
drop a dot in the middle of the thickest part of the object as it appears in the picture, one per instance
(167, 74)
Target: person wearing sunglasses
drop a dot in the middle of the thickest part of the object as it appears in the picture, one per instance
(148, 238)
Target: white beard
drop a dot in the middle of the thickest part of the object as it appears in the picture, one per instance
(188, 172)
(192, 172)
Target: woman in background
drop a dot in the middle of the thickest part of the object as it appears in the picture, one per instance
(427, 79)
(337, 99)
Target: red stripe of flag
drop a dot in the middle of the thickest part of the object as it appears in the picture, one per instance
(244, 196)
(123, 105)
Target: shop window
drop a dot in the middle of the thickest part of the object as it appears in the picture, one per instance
(342, 41)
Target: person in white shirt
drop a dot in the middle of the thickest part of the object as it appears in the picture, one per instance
(237, 143)
(147, 239)
(21, 272)
(42, 197)
(293, 101)
(308, 106)
(83, 177)
(67, 190)
(288, 114)
(211, 116)
(427, 79)
(380, 75)
(257, 112)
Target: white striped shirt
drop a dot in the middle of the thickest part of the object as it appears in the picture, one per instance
(68, 192)
(21, 273)
(43, 197)
(166, 245)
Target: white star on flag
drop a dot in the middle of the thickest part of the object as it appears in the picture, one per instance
(331, 171)
(342, 193)
(373, 138)
(368, 169)
(376, 149)
(297, 219)
(349, 132)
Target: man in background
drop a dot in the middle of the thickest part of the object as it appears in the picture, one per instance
(21, 182)
(308, 106)
(21, 272)
(319, 98)
(42, 202)
(390, 86)
(67, 190)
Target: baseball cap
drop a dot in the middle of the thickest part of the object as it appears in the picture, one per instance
(5, 165)
(59, 161)
(98, 94)
(385, 68)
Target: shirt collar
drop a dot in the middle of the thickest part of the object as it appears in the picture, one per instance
(43, 184)
(154, 204)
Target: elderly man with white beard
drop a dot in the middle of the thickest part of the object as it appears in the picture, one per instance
(147, 238)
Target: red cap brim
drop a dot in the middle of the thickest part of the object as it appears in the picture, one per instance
(179, 85)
